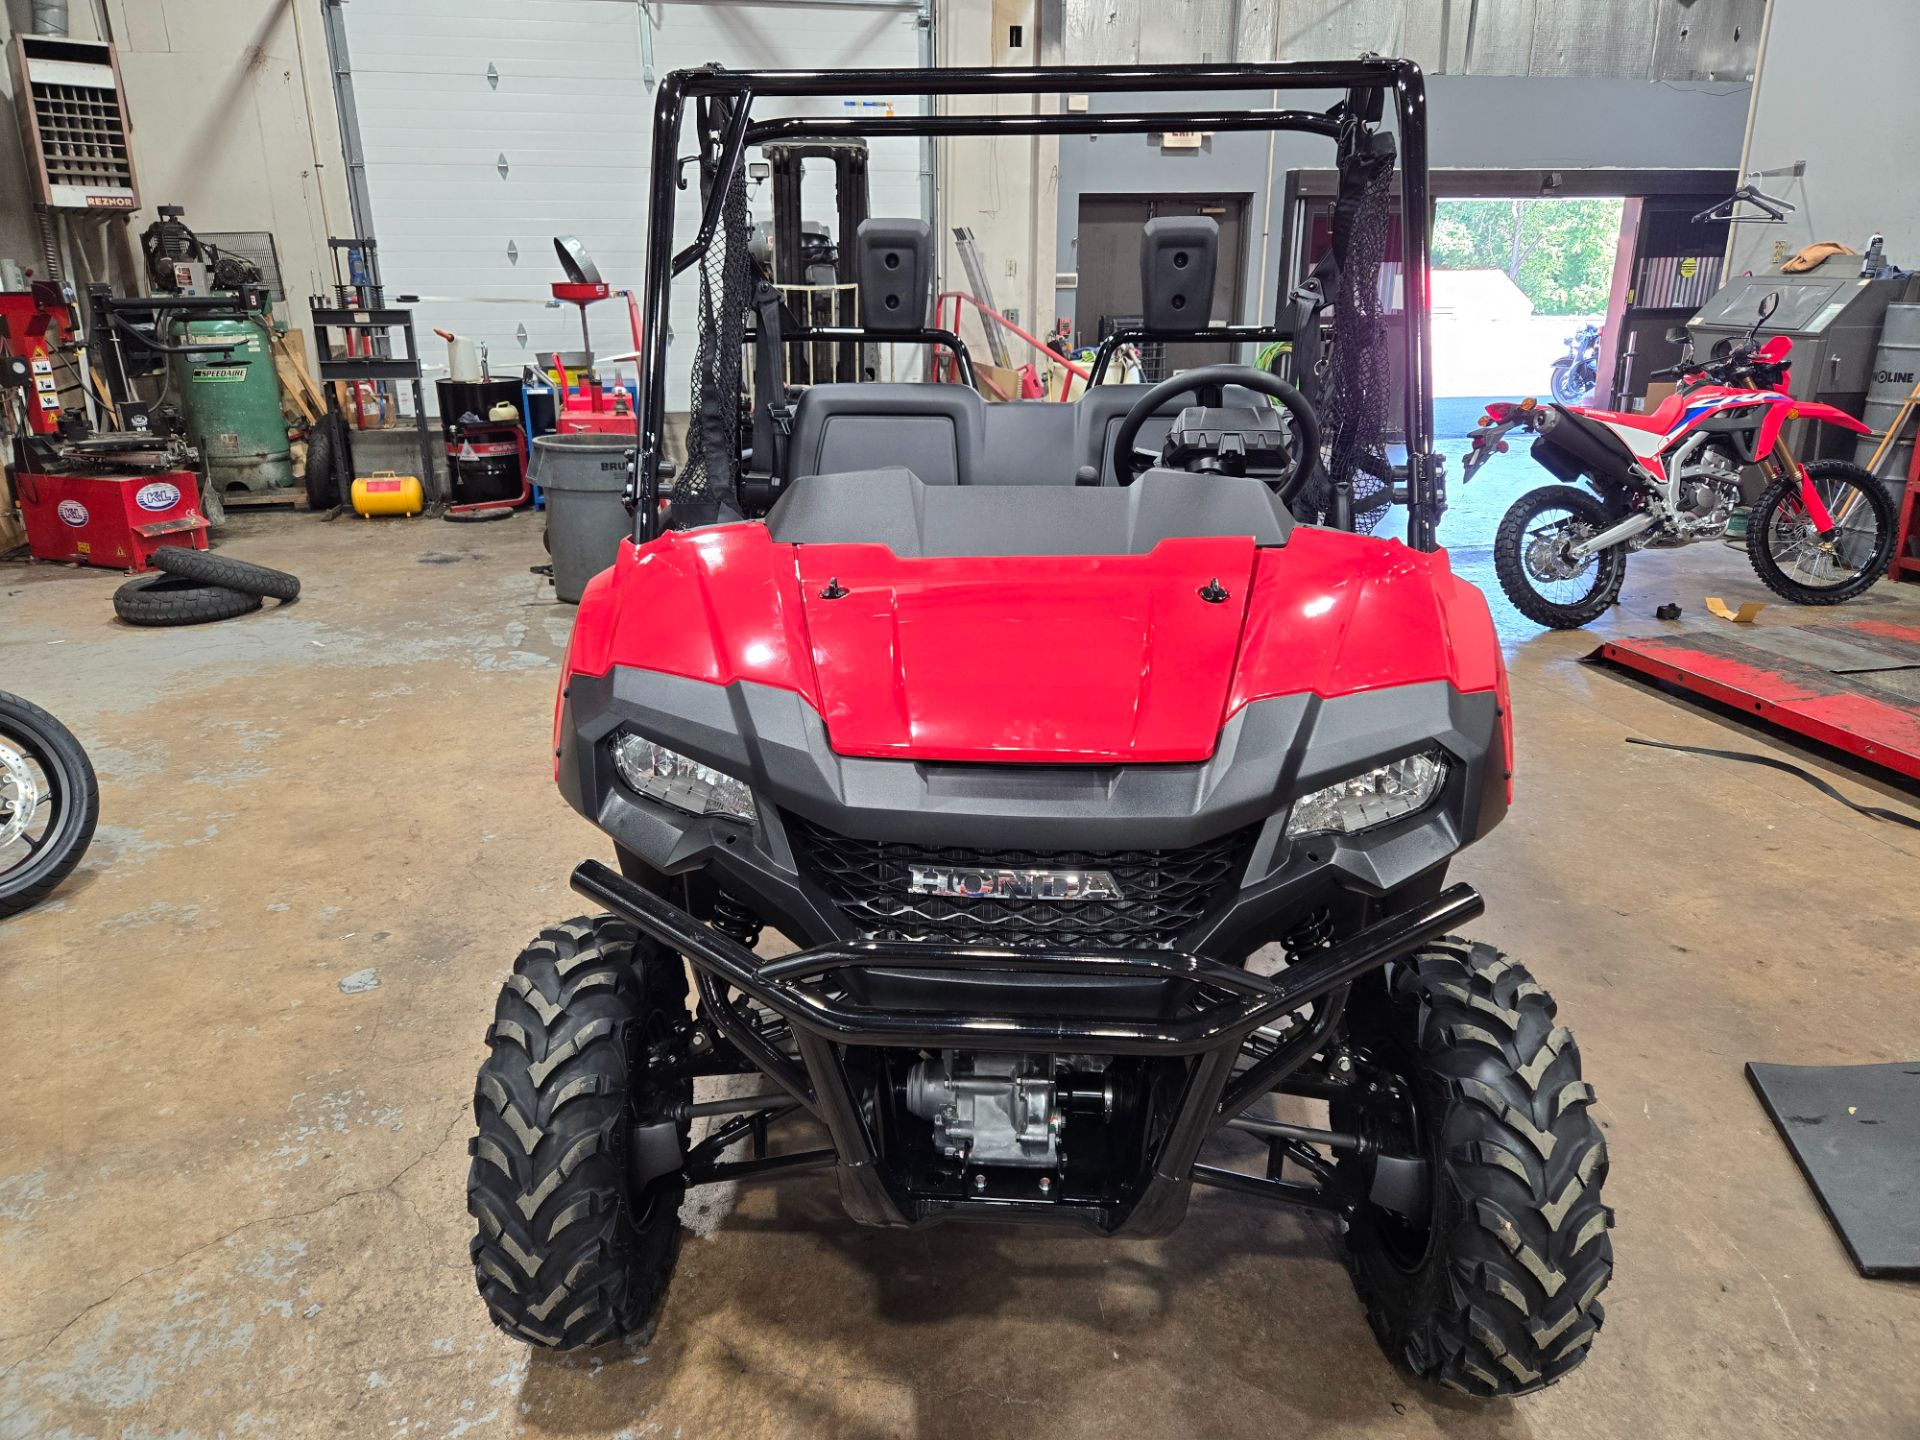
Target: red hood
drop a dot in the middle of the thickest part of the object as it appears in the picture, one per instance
(1112, 657)
(1036, 659)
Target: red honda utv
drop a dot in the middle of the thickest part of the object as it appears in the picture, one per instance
(1100, 772)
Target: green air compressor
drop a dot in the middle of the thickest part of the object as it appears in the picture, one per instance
(231, 402)
(205, 296)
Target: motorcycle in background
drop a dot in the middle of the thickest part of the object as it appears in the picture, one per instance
(1820, 533)
(1576, 374)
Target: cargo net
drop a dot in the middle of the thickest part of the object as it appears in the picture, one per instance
(707, 481)
(1357, 389)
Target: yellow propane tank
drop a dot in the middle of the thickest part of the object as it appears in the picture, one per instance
(385, 493)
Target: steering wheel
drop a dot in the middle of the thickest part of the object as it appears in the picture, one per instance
(1207, 384)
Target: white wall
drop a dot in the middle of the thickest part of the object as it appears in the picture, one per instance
(19, 237)
(1837, 88)
(219, 93)
(1003, 189)
(568, 108)
(233, 117)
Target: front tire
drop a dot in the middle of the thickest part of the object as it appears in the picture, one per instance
(1567, 384)
(1497, 1293)
(1795, 563)
(569, 1252)
(1543, 583)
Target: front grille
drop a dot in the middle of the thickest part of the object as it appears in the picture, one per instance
(1162, 892)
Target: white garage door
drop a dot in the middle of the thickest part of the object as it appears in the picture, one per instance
(490, 126)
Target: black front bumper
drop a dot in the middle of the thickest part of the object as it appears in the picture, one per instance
(1266, 756)
(1223, 1004)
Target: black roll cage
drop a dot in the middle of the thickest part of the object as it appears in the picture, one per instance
(724, 102)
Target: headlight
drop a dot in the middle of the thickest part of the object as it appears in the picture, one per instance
(672, 779)
(1381, 794)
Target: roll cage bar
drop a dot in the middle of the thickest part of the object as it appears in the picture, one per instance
(724, 103)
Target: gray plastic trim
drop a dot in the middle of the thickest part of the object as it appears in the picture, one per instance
(1270, 753)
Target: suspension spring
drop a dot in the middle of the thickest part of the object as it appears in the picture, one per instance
(734, 920)
(1313, 932)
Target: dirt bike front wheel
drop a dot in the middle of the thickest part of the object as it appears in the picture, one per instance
(1799, 564)
(1531, 557)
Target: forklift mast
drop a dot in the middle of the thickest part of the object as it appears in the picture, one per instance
(811, 306)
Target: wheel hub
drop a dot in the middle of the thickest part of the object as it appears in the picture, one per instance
(1398, 1177)
(19, 795)
(1547, 553)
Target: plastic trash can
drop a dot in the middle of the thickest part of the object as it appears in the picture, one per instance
(584, 477)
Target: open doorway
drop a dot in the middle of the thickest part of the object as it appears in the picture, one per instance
(1513, 279)
(1521, 293)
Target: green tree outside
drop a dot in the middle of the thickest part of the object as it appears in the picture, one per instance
(1558, 252)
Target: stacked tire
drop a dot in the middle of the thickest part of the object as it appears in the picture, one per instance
(194, 587)
(329, 465)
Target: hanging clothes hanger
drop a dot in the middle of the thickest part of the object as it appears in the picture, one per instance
(1773, 210)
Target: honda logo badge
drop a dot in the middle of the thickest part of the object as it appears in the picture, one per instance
(970, 884)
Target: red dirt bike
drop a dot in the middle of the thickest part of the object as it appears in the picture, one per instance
(1820, 532)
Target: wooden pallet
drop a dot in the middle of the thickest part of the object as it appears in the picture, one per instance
(1906, 545)
(290, 364)
(293, 498)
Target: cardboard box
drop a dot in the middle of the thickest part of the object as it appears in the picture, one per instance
(1656, 392)
(996, 382)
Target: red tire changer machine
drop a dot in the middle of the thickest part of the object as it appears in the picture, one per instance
(94, 497)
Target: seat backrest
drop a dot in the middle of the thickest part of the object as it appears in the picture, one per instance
(1028, 442)
(894, 262)
(950, 435)
(890, 507)
(932, 430)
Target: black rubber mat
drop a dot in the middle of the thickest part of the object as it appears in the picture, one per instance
(1855, 1132)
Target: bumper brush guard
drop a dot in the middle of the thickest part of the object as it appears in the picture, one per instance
(1234, 1003)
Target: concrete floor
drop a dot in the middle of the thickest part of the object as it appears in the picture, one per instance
(231, 1188)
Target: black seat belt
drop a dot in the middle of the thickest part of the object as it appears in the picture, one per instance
(770, 409)
(1309, 298)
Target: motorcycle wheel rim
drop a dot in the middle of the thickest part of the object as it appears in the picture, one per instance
(1552, 574)
(31, 796)
(1839, 559)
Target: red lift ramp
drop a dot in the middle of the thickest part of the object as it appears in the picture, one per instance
(1854, 685)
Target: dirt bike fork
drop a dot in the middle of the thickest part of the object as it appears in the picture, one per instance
(1816, 508)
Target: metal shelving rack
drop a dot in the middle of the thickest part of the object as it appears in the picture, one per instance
(358, 306)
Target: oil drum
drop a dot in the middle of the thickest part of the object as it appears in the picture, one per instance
(486, 464)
